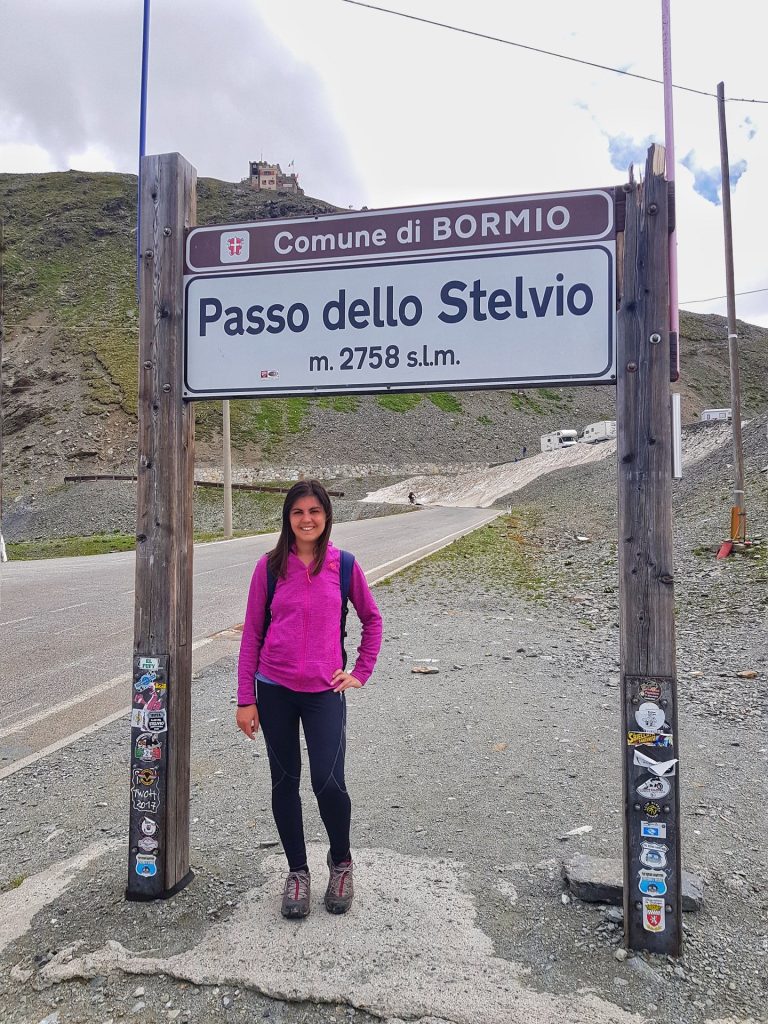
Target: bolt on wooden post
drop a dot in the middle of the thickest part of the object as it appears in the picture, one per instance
(158, 860)
(651, 777)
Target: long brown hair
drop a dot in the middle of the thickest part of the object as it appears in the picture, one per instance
(278, 557)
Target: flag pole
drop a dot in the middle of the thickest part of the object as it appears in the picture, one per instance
(669, 146)
(142, 132)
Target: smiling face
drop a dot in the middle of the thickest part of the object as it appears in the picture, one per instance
(307, 519)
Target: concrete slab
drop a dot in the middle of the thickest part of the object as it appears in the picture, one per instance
(18, 906)
(409, 949)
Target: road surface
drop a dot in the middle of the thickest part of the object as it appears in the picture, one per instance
(67, 623)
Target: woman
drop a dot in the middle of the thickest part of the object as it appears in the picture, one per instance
(290, 671)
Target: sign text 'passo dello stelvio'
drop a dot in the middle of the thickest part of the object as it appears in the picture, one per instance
(384, 309)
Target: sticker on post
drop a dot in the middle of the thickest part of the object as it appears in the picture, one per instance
(137, 719)
(654, 788)
(656, 767)
(653, 914)
(156, 721)
(650, 717)
(148, 826)
(653, 855)
(652, 809)
(148, 748)
(148, 844)
(144, 776)
(146, 865)
(649, 739)
(149, 664)
(649, 691)
(653, 829)
(652, 883)
(145, 798)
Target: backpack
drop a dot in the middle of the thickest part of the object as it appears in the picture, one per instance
(345, 572)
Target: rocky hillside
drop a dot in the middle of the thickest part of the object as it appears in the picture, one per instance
(70, 380)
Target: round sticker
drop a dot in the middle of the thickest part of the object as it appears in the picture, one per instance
(650, 717)
(654, 788)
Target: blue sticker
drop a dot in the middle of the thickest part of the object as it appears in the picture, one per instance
(653, 883)
(146, 865)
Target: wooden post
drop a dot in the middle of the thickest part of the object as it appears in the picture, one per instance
(158, 862)
(652, 876)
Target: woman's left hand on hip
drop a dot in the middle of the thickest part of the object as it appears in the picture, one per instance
(343, 681)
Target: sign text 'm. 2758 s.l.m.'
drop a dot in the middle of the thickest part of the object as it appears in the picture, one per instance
(490, 293)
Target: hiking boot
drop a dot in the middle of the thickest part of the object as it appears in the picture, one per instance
(338, 895)
(296, 894)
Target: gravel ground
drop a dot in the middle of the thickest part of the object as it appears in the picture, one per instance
(487, 763)
(512, 744)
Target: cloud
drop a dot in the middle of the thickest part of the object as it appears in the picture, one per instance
(707, 182)
(748, 127)
(624, 150)
(222, 91)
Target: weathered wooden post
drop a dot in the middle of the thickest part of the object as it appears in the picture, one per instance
(652, 875)
(158, 863)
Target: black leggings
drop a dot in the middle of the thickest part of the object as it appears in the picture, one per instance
(324, 719)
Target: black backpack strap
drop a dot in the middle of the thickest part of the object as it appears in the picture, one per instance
(345, 572)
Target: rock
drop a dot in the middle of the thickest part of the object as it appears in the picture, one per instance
(580, 831)
(621, 954)
(600, 880)
(21, 974)
(748, 673)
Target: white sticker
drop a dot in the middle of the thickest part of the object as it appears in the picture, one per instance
(654, 788)
(653, 829)
(653, 914)
(650, 717)
(149, 664)
(653, 855)
(655, 767)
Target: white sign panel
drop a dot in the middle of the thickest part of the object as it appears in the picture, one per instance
(487, 320)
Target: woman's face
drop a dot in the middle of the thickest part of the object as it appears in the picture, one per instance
(307, 519)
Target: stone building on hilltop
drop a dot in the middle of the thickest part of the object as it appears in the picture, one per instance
(271, 177)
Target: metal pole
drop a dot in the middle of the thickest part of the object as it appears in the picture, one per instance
(227, 471)
(669, 146)
(142, 135)
(738, 513)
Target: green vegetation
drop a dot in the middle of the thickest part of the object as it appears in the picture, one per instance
(445, 401)
(13, 883)
(339, 403)
(99, 544)
(502, 554)
(398, 402)
(524, 402)
(486, 420)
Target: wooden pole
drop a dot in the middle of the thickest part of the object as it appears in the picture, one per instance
(738, 512)
(652, 876)
(227, 443)
(158, 862)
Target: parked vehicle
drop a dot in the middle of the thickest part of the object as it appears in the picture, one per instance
(603, 430)
(707, 415)
(559, 439)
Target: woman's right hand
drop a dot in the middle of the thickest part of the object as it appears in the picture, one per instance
(248, 720)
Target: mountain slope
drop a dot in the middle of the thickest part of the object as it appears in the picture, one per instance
(70, 363)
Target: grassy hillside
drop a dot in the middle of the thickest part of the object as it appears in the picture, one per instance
(70, 365)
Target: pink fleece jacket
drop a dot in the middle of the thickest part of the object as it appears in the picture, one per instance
(302, 648)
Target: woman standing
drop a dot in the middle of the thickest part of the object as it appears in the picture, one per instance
(290, 671)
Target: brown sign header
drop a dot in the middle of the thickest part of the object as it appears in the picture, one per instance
(479, 225)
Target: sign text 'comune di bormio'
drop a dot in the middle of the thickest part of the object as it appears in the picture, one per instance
(481, 294)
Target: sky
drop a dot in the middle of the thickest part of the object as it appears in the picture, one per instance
(378, 110)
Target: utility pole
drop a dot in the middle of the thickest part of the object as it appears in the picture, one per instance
(738, 511)
(227, 470)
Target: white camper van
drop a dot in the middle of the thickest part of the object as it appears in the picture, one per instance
(559, 439)
(603, 430)
(707, 415)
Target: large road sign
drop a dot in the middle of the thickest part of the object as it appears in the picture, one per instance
(496, 293)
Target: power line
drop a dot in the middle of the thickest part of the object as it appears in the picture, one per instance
(714, 298)
(548, 53)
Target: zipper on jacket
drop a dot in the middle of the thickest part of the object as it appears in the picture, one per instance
(306, 621)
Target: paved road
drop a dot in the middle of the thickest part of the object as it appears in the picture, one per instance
(67, 623)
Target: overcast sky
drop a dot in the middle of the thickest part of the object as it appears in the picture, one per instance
(376, 110)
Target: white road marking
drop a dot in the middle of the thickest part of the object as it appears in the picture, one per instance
(86, 695)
